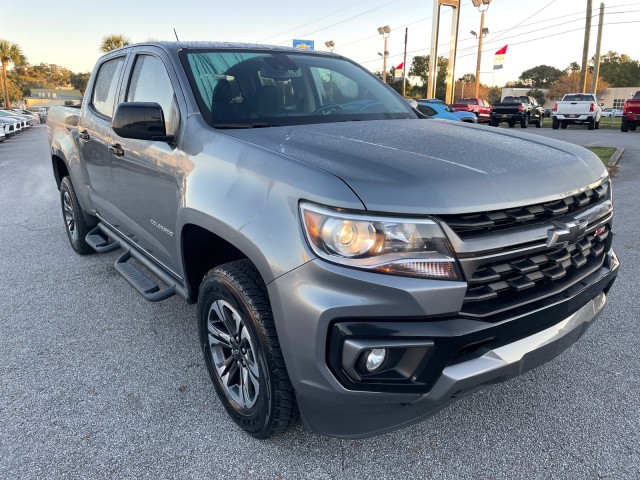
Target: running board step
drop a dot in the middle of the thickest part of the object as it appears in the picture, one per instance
(145, 286)
(99, 241)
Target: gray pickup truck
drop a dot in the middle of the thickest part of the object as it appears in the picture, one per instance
(351, 261)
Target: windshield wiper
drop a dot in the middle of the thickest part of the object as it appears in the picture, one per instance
(244, 125)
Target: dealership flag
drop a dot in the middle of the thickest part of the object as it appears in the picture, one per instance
(398, 73)
(498, 58)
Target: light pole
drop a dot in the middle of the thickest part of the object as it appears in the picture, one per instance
(483, 6)
(330, 45)
(384, 31)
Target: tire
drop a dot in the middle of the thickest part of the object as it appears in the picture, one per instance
(524, 123)
(73, 216)
(598, 125)
(591, 125)
(493, 123)
(633, 127)
(539, 123)
(555, 123)
(511, 124)
(624, 126)
(564, 125)
(242, 352)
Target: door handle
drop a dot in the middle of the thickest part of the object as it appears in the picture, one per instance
(84, 135)
(117, 150)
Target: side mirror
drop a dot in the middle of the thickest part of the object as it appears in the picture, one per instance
(140, 121)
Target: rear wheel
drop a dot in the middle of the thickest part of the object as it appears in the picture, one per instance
(597, 124)
(524, 123)
(74, 218)
(564, 125)
(624, 126)
(555, 123)
(591, 125)
(242, 352)
(633, 127)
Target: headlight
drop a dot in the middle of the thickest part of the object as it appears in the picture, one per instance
(396, 246)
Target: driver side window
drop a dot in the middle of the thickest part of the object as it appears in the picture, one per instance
(150, 83)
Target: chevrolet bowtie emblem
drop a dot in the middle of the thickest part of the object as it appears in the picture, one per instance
(564, 234)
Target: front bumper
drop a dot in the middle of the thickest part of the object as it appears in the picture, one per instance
(318, 303)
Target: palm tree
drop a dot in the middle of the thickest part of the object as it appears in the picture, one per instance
(111, 42)
(9, 53)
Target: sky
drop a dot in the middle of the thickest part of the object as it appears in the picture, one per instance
(538, 32)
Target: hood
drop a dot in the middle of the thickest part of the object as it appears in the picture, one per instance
(435, 166)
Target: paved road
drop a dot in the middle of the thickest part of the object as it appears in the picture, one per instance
(97, 383)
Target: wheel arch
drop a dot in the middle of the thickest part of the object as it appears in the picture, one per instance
(60, 169)
(203, 250)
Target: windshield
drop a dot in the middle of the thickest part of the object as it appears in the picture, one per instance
(238, 89)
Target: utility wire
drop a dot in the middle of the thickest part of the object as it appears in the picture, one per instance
(511, 44)
(313, 21)
(529, 17)
(345, 20)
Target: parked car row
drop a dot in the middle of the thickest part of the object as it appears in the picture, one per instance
(15, 121)
(523, 110)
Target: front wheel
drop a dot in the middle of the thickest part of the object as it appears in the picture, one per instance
(242, 352)
(74, 218)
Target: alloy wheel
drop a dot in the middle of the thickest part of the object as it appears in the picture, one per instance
(233, 354)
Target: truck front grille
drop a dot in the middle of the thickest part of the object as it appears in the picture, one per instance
(505, 284)
(480, 224)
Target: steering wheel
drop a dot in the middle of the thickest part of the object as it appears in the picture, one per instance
(327, 108)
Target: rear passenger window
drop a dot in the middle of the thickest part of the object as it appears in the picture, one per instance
(104, 90)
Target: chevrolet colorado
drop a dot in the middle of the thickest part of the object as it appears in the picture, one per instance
(351, 261)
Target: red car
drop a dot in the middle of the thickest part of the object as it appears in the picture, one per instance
(631, 114)
(479, 106)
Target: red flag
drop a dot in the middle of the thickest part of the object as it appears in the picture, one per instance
(400, 67)
(498, 58)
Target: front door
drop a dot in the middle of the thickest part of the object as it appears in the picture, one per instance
(144, 172)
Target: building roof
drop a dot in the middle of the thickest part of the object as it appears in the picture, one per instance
(71, 94)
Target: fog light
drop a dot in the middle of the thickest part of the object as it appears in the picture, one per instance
(375, 359)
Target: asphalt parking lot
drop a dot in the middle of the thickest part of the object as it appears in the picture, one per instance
(97, 383)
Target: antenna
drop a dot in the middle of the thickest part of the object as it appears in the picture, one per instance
(176, 34)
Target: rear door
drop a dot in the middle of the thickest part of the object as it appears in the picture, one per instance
(144, 172)
(96, 135)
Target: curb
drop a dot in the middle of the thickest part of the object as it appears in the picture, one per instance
(613, 161)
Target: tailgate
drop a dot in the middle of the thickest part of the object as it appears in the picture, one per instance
(574, 108)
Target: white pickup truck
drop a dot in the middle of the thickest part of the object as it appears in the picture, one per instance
(577, 108)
